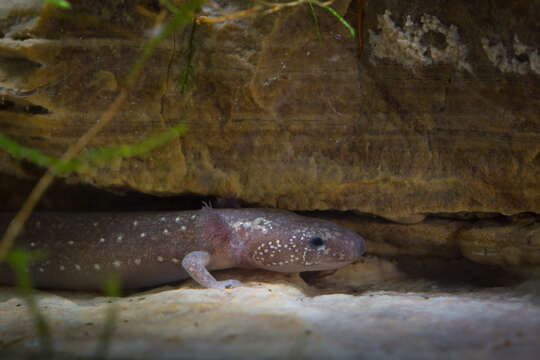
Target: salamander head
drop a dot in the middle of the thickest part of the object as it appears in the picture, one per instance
(296, 243)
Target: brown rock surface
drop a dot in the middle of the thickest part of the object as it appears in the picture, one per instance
(512, 241)
(515, 242)
(430, 118)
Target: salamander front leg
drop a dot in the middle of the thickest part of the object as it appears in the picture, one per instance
(195, 264)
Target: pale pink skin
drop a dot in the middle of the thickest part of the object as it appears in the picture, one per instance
(153, 248)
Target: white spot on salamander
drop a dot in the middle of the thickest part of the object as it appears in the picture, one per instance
(182, 228)
(41, 270)
(176, 261)
(119, 238)
(32, 244)
(70, 242)
(97, 267)
(116, 264)
(143, 235)
(162, 219)
(160, 258)
(62, 268)
(304, 255)
(102, 240)
(177, 219)
(137, 262)
(166, 232)
(77, 267)
(259, 224)
(135, 223)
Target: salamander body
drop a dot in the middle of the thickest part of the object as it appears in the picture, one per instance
(153, 248)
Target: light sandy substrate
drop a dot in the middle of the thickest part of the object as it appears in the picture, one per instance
(280, 316)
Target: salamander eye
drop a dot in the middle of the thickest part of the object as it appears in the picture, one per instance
(316, 242)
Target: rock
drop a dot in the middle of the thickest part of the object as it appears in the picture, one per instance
(438, 114)
(368, 271)
(432, 237)
(516, 242)
(277, 320)
(511, 242)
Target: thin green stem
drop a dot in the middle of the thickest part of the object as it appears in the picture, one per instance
(316, 21)
(180, 17)
(339, 17)
(187, 75)
(20, 261)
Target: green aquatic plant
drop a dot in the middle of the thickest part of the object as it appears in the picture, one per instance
(60, 3)
(180, 17)
(19, 151)
(187, 75)
(20, 261)
(91, 158)
(334, 12)
(112, 290)
(101, 155)
(316, 21)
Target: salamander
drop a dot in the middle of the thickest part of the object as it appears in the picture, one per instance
(146, 249)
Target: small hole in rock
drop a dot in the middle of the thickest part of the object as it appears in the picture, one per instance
(434, 39)
(6, 104)
(523, 57)
(21, 37)
(36, 109)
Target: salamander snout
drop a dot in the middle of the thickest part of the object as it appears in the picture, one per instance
(348, 243)
(311, 245)
(353, 244)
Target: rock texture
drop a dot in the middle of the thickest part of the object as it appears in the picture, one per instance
(439, 113)
(428, 134)
(512, 242)
(415, 319)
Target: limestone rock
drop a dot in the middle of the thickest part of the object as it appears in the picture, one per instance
(439, 114)
(276, 320)
(509, 244)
